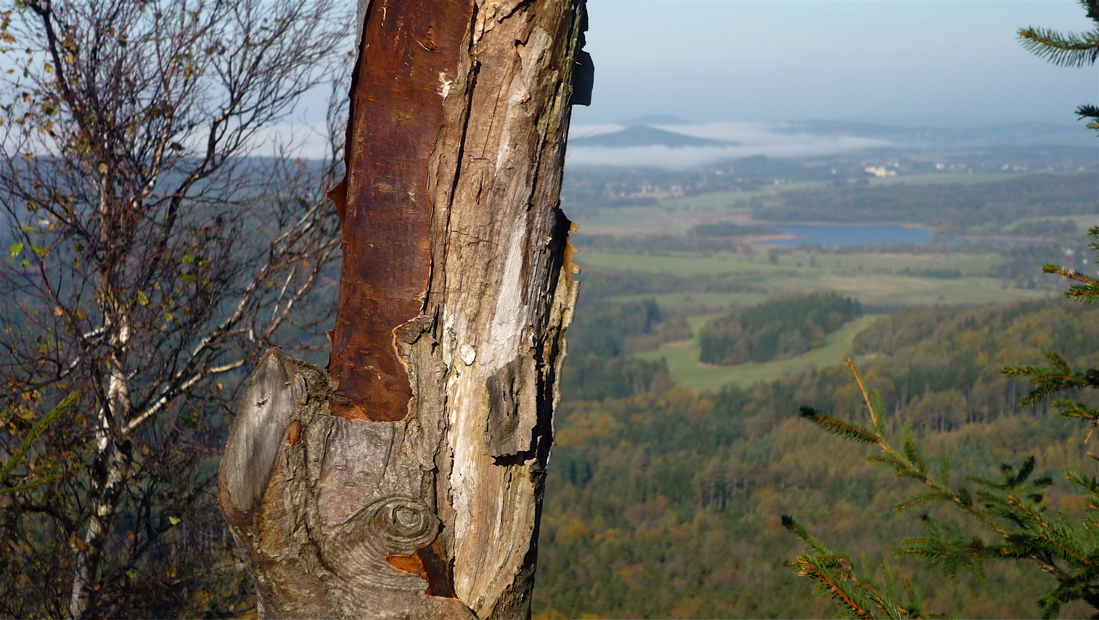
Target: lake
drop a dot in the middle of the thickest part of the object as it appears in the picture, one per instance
(830, 236)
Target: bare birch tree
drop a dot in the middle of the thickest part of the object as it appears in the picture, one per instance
(146, 258)
(406, 482)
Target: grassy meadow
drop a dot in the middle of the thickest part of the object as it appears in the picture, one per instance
(686, 371)
(676, 215)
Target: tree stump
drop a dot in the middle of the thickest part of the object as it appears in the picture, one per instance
(406, 482)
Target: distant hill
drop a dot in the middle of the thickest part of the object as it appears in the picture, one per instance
(644, 135)
(655, 119)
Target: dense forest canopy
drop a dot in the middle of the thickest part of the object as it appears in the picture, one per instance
(666, 504)
(784, 327)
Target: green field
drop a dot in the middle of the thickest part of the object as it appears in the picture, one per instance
(675, 216)
(873, 279)
(945, 178)
(686, 371)
(796, 263)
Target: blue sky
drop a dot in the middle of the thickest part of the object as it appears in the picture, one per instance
(942, 62)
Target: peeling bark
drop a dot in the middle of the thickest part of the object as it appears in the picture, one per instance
(110, 468)
(407, 481)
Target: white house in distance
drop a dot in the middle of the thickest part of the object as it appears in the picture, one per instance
(880, 171)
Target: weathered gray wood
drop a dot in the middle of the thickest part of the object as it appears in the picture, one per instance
(409, 482)
(269, 403)
(333, 515)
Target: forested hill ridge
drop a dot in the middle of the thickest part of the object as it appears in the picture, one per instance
(667, 503)
(784, 327)
(954, 208)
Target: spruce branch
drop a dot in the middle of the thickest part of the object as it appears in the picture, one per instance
(1064, 50)
(1088, 111)
(791, 525)
(1087, 293)
(913, 454)
(1073, 409)
(1047, 380)
(28, 442)
(1070, 50)
(1009, 506)
(923, 498)
(871, 404)
(915, 603)
(898, 465)
(1088, 289)
(842, 428)
(1091, 7)
(1090, 484)
(809, 566)
(37, 482)
(942, 547)
(859, 598)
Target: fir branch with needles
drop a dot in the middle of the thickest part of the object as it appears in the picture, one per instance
(1010, 519)
(1068, 50)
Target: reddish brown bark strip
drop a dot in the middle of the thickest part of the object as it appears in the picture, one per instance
(409, 56)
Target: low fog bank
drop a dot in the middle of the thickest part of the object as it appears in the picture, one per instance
(750, 139)
(745, 139)
(800, 139)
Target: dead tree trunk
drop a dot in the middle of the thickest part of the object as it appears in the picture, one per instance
(407, 482)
